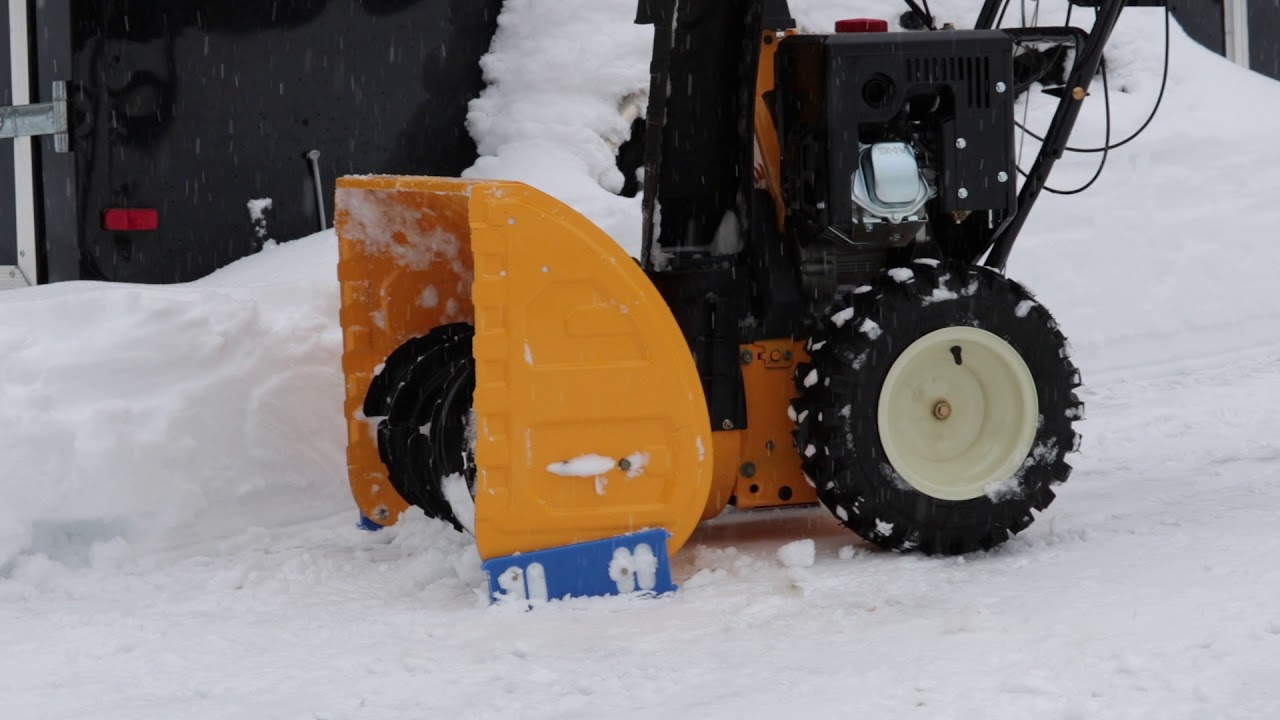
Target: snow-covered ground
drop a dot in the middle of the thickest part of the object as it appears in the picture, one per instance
(176, 538)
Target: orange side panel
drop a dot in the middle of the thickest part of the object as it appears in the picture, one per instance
(404, 268)
(578, 360)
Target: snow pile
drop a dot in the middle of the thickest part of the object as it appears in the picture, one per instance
(556, 122)
(155, 413)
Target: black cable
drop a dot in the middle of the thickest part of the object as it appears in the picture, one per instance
(1000, 17)
(1106, 99)
(1164, 81)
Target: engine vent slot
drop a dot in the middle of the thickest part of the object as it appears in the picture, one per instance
(975, 72)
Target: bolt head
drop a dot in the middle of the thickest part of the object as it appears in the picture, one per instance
(960, 143)
(942, 410)
(624, 464)
(1001, 87)
(727, 424)
(1002, 176)
(746, 357)
(962, 193)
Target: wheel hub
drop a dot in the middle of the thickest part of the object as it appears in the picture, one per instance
(958, 412)
(942, 410)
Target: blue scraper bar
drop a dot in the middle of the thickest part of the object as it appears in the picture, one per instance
(635, 563)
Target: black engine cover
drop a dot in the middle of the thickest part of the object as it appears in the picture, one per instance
(940, 91)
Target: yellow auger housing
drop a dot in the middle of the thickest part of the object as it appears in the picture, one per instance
(589, 415)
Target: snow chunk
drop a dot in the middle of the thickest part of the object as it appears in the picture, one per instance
(883, 528)
(862, 290)
(902, 275)
(931, 262)
(798, 554)
(842, 317)
(1023, 308)
(869, 328)
(940, 294)
(637, 462)
(811, 379)
(257, 214)
(458, 495)
(583, 466)
(702, 451)
(430, 297)
(601, 482)
(842, 514)
(528, 354)
(847, 552)
(257, 208)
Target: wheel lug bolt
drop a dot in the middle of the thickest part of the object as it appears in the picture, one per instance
(942, 410)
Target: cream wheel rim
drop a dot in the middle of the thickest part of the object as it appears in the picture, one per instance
(958, 413)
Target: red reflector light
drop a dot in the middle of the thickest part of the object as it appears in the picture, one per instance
(862, 25)
(130, 219)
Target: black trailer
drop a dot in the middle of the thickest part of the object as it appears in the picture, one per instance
(198, 129)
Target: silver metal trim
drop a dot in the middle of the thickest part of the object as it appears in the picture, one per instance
(1235, 20)
(24, 197)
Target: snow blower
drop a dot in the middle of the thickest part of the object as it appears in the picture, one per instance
(819, 313)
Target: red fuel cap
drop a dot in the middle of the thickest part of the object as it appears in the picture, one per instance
(862, 25)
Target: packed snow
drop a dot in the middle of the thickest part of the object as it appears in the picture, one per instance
(177, 539)
(583, 466)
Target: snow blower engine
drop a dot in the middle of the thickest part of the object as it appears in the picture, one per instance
(819, 313)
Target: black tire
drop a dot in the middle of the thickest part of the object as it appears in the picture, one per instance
(843, 454)
(422, 400)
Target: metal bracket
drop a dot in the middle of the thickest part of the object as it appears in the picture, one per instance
(12, 278)
(39, 119)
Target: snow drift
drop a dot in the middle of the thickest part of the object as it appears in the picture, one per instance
(171, 413)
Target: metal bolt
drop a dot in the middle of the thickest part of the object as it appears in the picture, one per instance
(962, 193)
(769, 446)
(786, 355)
(960, 143)
(746, 357)
(942, 410)
(1001, 87)
(748, 470)
(1077, 93)
(1002, 176)
(727, 424)
(624, 464)
(381, 513)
